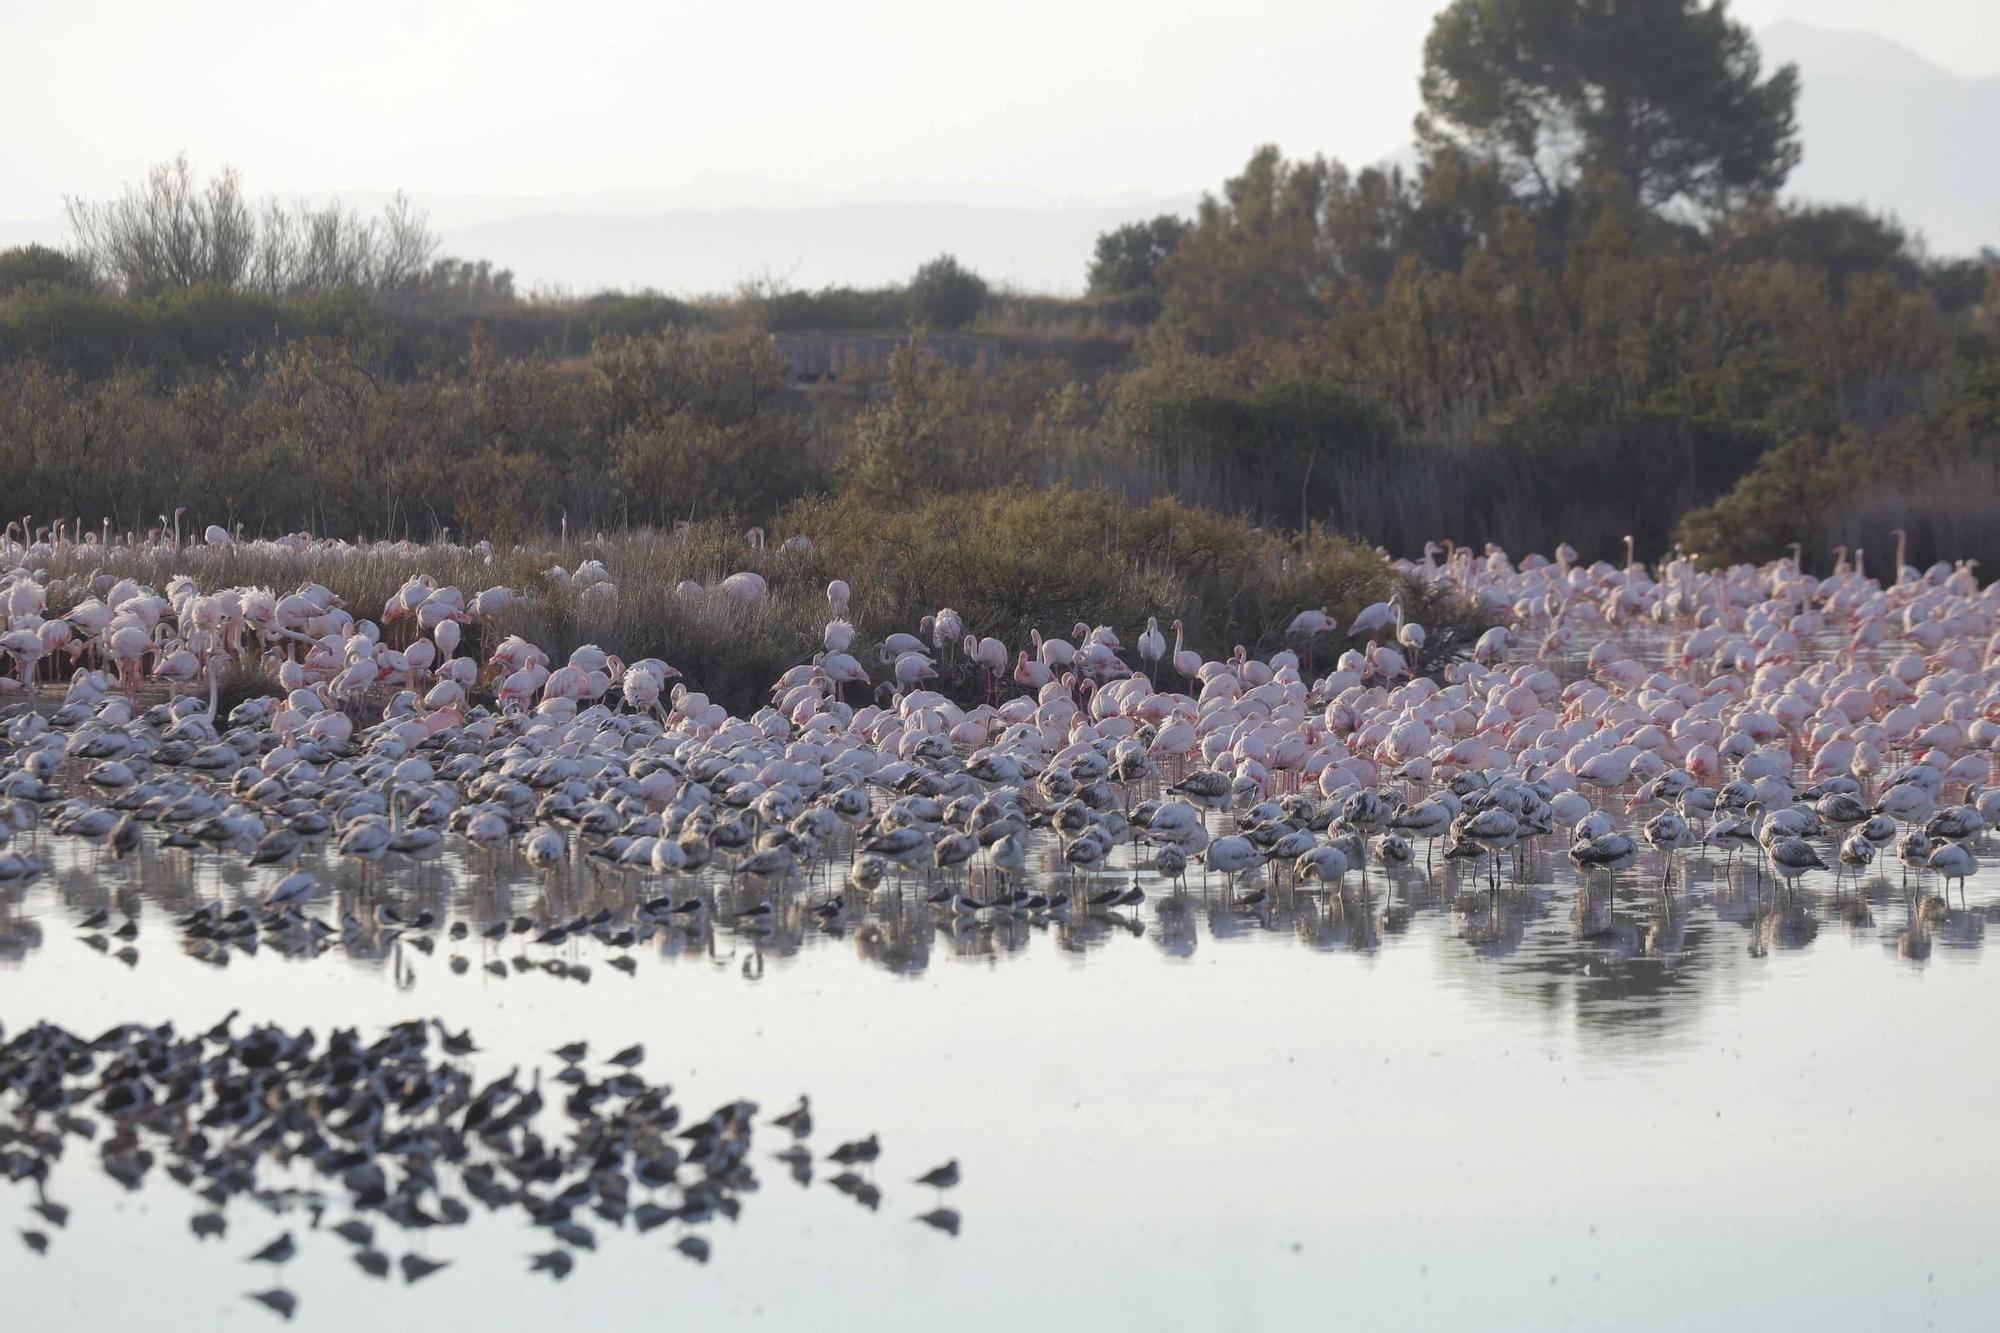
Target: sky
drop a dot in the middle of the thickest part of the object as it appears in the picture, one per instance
(1074, 98)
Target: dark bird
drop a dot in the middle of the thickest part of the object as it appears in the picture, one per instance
(798, 1161)
(278, 1299)
(373, 1262)
(416, 1267)
(630, 1056)
(556, 1263)
(944, 1219)
(356, 1232)
(575, 1233)
(798, 1120)
(37, 1241)
(454, 1044)
(941, 1177)
(278, 1251)
(860, 1150)
(694, 1247)
(205, 1225)
(572, 1053)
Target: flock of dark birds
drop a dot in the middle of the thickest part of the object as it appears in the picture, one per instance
(400, 1138)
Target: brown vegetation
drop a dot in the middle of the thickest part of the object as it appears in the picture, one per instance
(1008, 561)
(1570, 329)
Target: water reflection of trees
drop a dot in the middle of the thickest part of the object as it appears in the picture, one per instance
(1614, 953)
(1618, 956)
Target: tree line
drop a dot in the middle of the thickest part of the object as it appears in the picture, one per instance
(1582, 313)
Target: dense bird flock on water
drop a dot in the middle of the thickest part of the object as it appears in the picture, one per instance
(1792, 706)
(1810, 724)
(400, 1134)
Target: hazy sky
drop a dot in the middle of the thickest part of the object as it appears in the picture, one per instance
(1071, 97)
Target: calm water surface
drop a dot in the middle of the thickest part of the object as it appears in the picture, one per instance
(1414, 1105)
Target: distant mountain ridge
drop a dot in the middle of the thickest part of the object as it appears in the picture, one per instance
(1883, 126)
(705, 250)
(1846, 53)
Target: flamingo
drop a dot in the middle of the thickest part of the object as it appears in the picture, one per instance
(1186, 661)
(909, 668)
(990, 654)
(1372, 618)
(1056, 654)
(745, 587)
(1152, 646)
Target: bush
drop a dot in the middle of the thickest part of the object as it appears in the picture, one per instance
(28, 265)
(831, 309)
(638, 315)
(1933, 477)
(93, 333)
(1405, 356)
(1008, 561)
(945, 294)
(1126, 262)
(1280, 446)
(1020, 559)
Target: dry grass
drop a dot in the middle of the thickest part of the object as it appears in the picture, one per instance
(1008, 561)
(731, 649)
(244, 680)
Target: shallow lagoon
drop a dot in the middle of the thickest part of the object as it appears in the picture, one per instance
(1415, 1104)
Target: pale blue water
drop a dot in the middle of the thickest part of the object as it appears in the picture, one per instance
(1418, 1108)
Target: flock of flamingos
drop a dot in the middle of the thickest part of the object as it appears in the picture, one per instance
(1811, 723)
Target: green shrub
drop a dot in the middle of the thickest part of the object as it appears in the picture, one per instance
(945, 294)
(38, 265)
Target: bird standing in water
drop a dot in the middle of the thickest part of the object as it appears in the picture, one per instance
(941, 1178)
